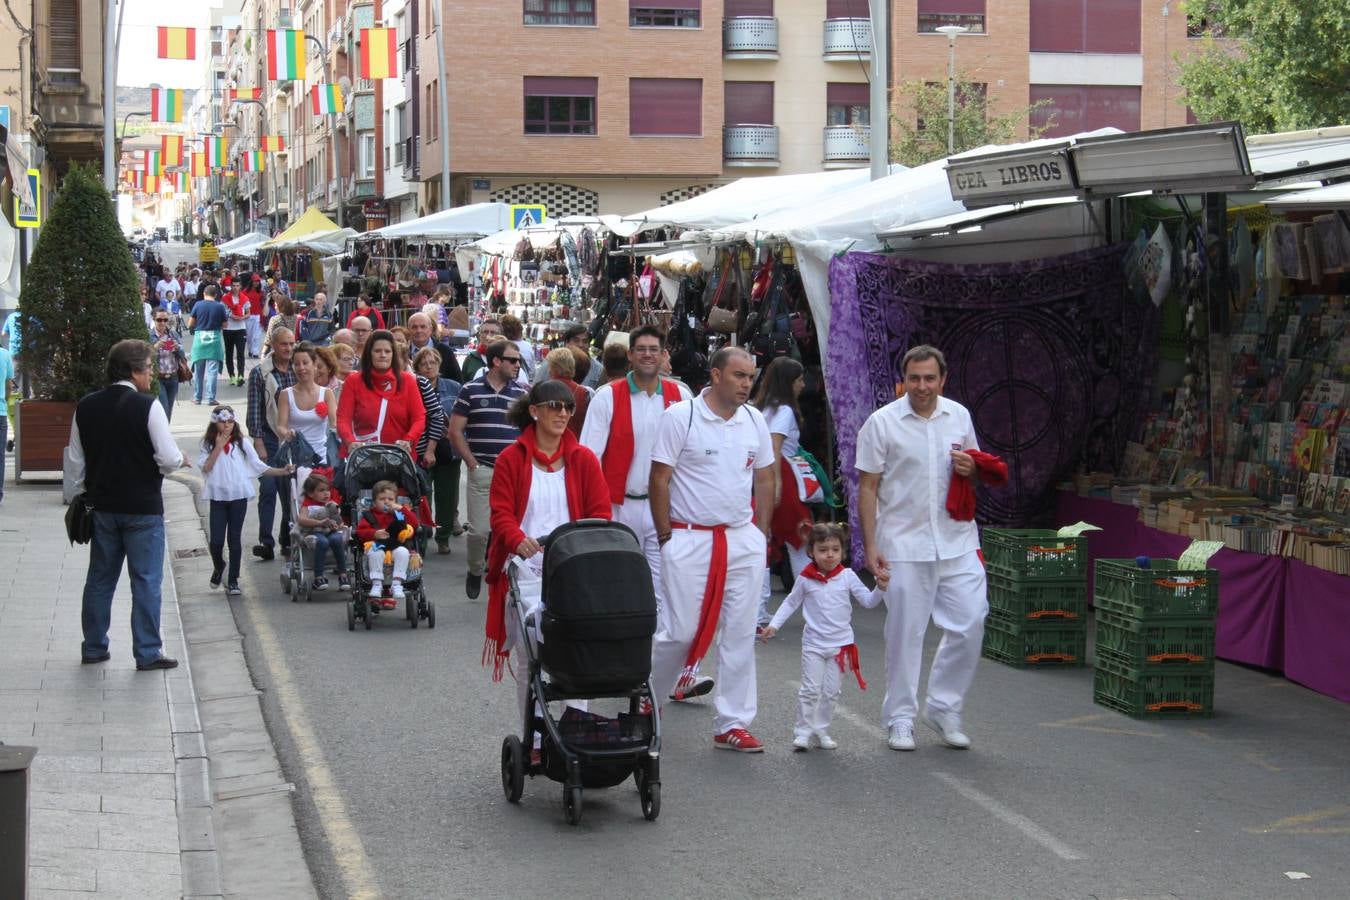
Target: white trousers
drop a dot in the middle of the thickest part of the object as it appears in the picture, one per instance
(530, 584)
(952, 593)
(819, 690)
(254, 335)
(637, 515)
(797, 559)
(684, 571)
(375, 563)
(480, 517)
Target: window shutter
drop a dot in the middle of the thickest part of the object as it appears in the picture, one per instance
(846, 9)
(748, 102)
(665, 106)
(63, 34)
(545, 86)
(735, 8)
(839, 93)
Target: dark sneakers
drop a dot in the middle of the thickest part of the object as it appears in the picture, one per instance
(263, 552)
(102, 657)
(473, 586)
(163, 662)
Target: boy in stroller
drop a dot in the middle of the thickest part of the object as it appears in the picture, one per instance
(388, 532)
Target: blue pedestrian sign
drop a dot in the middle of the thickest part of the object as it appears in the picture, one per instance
(527, 215)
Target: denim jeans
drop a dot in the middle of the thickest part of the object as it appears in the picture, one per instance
(139, 540)
(204, 372)
(269, 486)
(227, 522)
(168, 393)
(336, 542)
(4, 439)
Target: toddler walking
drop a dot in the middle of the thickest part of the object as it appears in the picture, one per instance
(824, 590)
(323, 531)
(387, 528)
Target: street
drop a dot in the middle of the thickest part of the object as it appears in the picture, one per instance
(392, 737)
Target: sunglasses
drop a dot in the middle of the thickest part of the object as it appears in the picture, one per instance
(515, 360)
(559, 406)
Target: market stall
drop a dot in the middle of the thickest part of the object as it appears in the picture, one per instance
(297, 250)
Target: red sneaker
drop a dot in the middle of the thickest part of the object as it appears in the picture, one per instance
(738, 739)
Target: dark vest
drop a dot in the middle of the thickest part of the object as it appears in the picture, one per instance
(121, 475)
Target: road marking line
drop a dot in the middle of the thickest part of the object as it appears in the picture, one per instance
(1081, 723)
(343, 839)
(842, 710)
(1008, 817)
(1260, 760)
(1297, 824)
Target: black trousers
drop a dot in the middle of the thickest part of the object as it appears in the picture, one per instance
(235, 344)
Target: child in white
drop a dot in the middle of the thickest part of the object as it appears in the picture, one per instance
(824, 590)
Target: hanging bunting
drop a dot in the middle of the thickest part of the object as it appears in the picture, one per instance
(379, 53)
(215, 152)
(199, 167)
(273, 143)
(166, 105)
(177, 43)
(325, 99)
(154, 163)
(285, 54)
(151, 184)
(252, 93)
(171, 149)
(252, 161)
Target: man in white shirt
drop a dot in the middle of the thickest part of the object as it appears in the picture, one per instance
(710, 454)
(620, 429)
(908, 453)
(167, 283)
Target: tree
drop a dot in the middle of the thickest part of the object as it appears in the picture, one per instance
(1284, 65)
(920, 122)
(81, 291)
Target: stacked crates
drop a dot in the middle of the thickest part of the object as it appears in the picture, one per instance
(1037, 597)
(1155, 638)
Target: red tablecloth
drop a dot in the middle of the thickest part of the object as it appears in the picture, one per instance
(1274, 612)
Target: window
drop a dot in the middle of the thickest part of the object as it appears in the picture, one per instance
(1074, 108)
(936, 13)
(365, 155)
(399, 124)
(748, 102)
(846, 9)
(1085, 26)
(559, 105)
(734, 9)
(665, 106)
(665, 13)
(559, 12)
(64, 35)
(848, 103)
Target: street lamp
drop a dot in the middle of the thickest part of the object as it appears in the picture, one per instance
(951, 31)
(276, 196)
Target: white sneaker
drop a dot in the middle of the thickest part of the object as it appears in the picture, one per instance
(376, 590)
(948, 727)
(825, 741)
(901, 737)
(397, 590)
(801, 743)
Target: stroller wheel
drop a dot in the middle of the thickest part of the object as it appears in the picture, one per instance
(410, 607)
(572, 803)
(649, 790)
(295, 588)
(513, 768)
(431, 614)
(351, 616)
(369, 617)
(286, 579)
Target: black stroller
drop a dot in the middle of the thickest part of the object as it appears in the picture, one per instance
(596, 623)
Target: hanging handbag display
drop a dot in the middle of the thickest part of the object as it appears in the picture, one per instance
(722, 315)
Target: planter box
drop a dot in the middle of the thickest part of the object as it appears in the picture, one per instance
(44, 432)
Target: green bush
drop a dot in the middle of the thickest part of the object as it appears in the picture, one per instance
(81, 292)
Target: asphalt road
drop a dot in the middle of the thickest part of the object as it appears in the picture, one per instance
(392, 738)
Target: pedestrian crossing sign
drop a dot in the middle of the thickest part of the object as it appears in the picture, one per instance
(527, 215)
(30, 215)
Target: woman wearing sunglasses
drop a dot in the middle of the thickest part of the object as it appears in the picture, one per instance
(543, 480)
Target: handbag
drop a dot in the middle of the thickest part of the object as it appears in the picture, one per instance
(80, 519)
(184, 373)
(722, 317)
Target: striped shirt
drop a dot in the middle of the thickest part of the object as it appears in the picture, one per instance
(487, 430)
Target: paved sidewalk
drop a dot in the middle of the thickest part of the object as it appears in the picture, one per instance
(119, 792)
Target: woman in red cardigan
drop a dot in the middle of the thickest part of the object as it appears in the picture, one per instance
(543, 480)
(363, 308)
(381, 403)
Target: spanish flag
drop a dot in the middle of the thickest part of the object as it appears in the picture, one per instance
(199, 167)
(166, 105)
(325, 99)
(151, 184)
(171, 149)
(177, 43)
(285, 54)
(232, 94)
(252, 161)
(379, 53)
(215, 152)
(273, 143)
(154, 163)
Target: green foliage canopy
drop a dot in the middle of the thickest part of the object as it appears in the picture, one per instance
(919, 129)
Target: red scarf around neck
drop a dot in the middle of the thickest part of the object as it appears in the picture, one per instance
(812, 572)
(618, 458)
(383, 382)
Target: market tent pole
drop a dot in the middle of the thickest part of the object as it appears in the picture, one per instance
(879, 117)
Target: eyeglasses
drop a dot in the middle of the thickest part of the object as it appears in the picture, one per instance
(562, 406)
(514, 360)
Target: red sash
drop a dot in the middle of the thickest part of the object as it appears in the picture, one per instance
(618, 458)
(848, 659)
(711, 611)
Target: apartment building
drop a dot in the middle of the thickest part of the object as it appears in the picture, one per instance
(66, 52)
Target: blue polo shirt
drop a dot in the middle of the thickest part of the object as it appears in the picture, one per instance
(487, 430)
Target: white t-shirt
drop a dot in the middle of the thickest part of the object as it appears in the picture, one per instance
(235, 474)
(309, 423)
(646, 415)
(714, 461)
(781, 420)
(162, 287)
(827, 608)
(545, 510)
(913, 456)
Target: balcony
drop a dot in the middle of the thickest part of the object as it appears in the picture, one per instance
(410, 159)
(750, 37)
(847, 144)
(848, 39)
(750, 145)
(360, 188)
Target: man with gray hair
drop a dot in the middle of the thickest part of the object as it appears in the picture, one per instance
(120, 450)
(345, 336)
(265, 384)
(908, 453)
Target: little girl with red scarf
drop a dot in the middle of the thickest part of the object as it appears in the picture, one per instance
(824, 590)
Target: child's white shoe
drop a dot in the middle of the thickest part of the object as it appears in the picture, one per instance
(825, 741)
(801, 743)
(397, 590)
(376, 590)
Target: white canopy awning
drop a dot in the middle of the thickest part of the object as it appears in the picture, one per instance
(976, 218)
(462, 222)
(244, 245)
(1334, 196)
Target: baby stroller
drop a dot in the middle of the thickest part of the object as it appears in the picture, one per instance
(297, 572)
(366, 465)
(592, 638)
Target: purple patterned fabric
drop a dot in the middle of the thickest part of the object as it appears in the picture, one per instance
(1051, 356)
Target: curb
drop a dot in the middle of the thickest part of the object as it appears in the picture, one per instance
(237, 824)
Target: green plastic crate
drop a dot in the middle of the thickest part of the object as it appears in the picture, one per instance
(1021, 553)
(1049, 600)
(1161, 591)
(1143, 645)
(1187, 693)
(1035, 645)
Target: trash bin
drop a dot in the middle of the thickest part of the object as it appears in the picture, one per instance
(14, 763)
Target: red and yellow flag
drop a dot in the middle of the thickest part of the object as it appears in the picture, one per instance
(251, 93)
(273, 143)
(199, 167)
(151, 184)
(379, 53)
(171, 149)
(177, 43)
